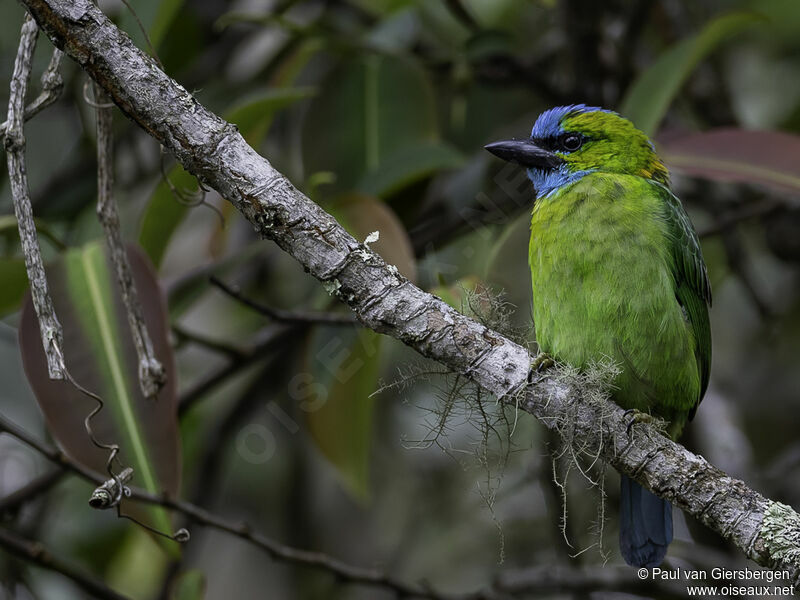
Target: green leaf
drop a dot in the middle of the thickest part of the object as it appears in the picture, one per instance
(344, 365)
(368, 109)
(164, 213)
(156, 16)
(190, 585)
(100, 356)
(253, 116)
(784, 20)
(139, 15)
(410, 165)
(647, 100)
(165, 15)
(15, 284)
(767, 158)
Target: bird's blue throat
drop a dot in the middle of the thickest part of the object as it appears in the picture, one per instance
(547, 181)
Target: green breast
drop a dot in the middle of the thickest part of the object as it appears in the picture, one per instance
(603, 288)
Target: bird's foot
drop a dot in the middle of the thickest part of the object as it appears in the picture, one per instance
(541, 363)
(637, 416)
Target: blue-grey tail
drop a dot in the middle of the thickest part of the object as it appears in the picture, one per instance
(645, 525)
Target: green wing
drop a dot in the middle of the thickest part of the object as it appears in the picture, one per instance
(692, 287)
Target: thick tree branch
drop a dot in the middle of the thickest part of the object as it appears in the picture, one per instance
(766, 531)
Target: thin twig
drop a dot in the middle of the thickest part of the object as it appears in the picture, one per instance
(462, 15)
(286, 316)
(188, 198)
(52, 86)
(512, 583)
(739, 264)
(231, 351)
(36, 553)
(152, 375)
(36, 487)
(747, 212)
(143, 29)
(118, 478)
(52, 334)
(268, 339)
(278, 551)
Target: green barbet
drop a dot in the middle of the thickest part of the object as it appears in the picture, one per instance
(617, 274)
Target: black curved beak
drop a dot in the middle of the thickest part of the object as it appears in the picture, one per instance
(525, 153)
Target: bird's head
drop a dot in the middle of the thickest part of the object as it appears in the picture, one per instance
(568, 142)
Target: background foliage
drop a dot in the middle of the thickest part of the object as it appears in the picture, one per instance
(378, 110)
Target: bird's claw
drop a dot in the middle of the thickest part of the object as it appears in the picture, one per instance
(542, 362)
(638, 417)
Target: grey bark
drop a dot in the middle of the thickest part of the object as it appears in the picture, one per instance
(151, 372)
(767, 532)
(52, 335)
(52, 84)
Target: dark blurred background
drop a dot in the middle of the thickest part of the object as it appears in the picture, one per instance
(379, 110)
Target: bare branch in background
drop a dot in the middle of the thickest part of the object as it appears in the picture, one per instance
(286, 316)
(52, 334)
(740, 265)
(52, 85)
(461, 13)
(727, 221)
(230, 350)
(271, 338)
(37, 554)
(341, 570)
(151, 372)
(513, 583)
(36, 487)
(765, 531)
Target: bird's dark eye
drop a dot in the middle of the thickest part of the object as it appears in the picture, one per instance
(571, 142)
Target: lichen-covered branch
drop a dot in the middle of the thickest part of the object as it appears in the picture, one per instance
(52, 335)
(213, 150)
(152, 375)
